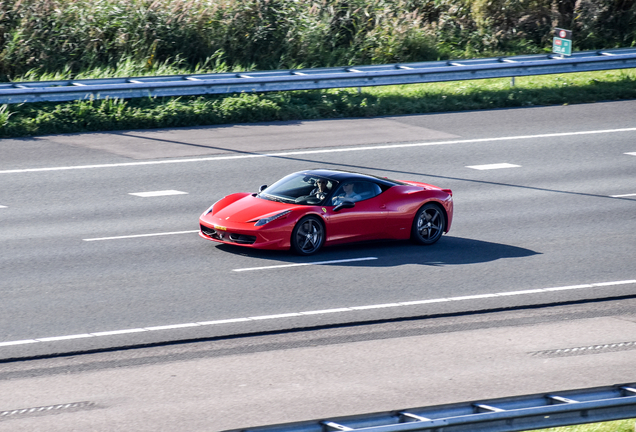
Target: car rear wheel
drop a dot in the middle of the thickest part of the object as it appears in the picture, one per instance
(428, 225)
(308, 236)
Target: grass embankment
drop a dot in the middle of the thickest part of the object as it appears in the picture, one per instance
(613, 426)
(85, 116)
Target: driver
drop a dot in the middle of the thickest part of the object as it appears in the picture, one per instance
(347, 194)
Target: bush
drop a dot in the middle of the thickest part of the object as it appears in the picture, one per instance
(70, 37)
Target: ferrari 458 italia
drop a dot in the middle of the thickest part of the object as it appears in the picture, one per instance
(308, 209)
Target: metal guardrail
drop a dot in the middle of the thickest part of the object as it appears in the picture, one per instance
(498, 415)
(312, 79)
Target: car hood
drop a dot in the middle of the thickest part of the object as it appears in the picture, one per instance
(249, 209)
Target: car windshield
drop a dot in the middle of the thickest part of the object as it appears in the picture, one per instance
(300, 188)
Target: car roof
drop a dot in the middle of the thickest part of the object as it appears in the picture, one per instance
(341, 175)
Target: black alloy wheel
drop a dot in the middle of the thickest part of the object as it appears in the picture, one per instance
(308, 236)
(428, 225)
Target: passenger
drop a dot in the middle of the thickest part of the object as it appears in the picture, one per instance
(347, 194)
(321, 190)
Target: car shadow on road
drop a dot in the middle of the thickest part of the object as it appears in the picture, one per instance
(448, 251)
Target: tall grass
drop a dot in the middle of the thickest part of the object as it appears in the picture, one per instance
(71, 37)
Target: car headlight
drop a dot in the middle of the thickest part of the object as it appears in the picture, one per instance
(266, 220)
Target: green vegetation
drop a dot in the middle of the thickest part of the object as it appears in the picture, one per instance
(613, 426)
(82, 116)
(63, 39)
(74, 36)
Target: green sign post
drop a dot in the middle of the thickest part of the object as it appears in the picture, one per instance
(562, 42)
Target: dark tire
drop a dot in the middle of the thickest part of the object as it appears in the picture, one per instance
(428, 225)
(308, 236)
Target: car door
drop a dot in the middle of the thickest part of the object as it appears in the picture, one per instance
(364, 221)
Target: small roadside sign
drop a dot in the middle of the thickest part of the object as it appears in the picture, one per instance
(562, 42)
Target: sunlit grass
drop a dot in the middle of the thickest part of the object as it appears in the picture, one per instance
(613, 426)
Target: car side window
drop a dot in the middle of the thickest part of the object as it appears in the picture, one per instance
(356, 191)
(367, 190)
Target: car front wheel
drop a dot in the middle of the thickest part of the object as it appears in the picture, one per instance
(308, 236)
(428, 225)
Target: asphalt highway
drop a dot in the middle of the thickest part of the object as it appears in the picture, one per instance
(99, 249)
(322, 374)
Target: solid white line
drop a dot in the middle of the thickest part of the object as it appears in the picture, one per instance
(305, 264)
(318, 312)
(59, 338)
(285, 315)
(325, 311)
(158, 193)
(378, 306)
(602, 284)
(225, 321)
(20, 342)
(140, 235)
(473, 297)
(623, 196)
(119, 332)
(421, 302)
(172, 327)
(493, 166)
(308, 152)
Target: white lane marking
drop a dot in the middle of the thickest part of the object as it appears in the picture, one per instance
(286, 315)
(307, 152)
(1, 206)
(631, 153)
(225, 321)
(20, 342)
(317, 312)
(305, 264)
(325, 311)
(158, 193)
(172, 327)
(623, 196)
(60, 338)
(118, 332)
(493, 166)
(140, 235)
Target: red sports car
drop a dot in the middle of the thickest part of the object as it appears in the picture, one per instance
(308, 209)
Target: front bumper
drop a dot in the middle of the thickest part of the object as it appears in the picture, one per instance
(226, 237)
(258, 239)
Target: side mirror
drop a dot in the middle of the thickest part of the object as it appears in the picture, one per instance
(262, 188)
(343, 205)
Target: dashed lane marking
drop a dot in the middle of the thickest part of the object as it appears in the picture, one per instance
(324, 151)
(493, 166)
(589, 349)
(50, 409)
(158, 193)
(623, 196)
(305, 264)
(140, 235)
(316, 312)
